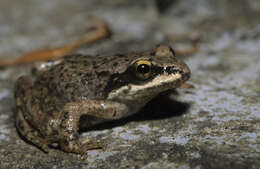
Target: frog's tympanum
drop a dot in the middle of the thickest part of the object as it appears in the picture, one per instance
(100, 88)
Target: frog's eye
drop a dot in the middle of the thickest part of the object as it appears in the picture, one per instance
(143, 69)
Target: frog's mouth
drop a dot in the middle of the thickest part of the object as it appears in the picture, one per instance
(158, 84)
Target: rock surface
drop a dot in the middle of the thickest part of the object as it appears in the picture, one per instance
(215, 125)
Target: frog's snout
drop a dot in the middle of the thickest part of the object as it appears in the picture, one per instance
(186, 73)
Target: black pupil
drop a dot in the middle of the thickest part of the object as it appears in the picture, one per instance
(143, 68)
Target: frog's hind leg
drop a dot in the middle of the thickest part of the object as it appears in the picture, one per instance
(30, 134)
(22, 89)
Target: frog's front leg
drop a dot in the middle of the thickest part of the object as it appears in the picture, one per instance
(69, 136)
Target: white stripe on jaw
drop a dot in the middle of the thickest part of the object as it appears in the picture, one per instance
(133, 89)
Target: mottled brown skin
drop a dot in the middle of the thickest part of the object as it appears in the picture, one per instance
(104, 87)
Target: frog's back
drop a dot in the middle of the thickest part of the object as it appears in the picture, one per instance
(74, 79)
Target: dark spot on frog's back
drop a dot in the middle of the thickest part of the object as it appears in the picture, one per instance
(34, 101)
(65, 70)
(79, 74)
(87, 75)
(61, 75)
(85, 63)
(115, 64)
(60, 67)
(105, 60)
(72, 61)
(102, 73)
(62, 79)
(73, 66)
(84, 82)
(67, 86)
(50, 78)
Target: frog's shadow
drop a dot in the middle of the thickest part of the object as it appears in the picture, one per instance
(161, 107)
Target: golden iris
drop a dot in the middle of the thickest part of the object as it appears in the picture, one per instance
(143, 69)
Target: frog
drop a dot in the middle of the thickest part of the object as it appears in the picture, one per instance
(97, 88)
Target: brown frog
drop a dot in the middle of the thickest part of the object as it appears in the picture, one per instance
(100, 88)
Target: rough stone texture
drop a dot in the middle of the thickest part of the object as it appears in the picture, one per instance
(214, 125)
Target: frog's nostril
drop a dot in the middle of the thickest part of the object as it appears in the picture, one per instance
(172, 70)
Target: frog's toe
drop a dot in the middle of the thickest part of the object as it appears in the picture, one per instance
(37, 141)
(30, 134)
(89, 145)
(44, 147)
(79, 147)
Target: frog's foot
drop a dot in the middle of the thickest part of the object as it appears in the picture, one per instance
(30, 134)
(90, 145)
(80, 147)
(37, 141)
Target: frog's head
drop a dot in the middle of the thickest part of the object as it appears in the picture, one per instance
(148, 75)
